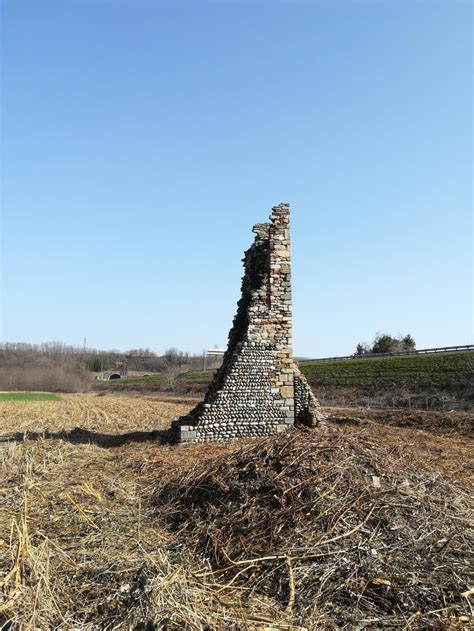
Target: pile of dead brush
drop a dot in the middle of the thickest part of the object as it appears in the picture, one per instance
(334, 527)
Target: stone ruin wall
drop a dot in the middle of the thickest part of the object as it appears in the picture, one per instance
(259, 389)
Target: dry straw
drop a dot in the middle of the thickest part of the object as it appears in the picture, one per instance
(338, 528)
(363, 526)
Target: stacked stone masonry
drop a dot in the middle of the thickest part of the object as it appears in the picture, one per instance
(259, 389)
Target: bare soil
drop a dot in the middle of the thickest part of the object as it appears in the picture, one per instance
(445, 422)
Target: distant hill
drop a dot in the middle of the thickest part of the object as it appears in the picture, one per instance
(437, 370)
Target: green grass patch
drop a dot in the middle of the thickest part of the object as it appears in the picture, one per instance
(146, 379)
(124, 381)
(29, 396)
(437, 369)
(198, 375)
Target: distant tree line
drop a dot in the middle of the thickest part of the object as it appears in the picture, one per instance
(141, 359)
(54, 366)
(23, 368)
(385, 343)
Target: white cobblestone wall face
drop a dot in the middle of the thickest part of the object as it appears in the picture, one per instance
(259, 389)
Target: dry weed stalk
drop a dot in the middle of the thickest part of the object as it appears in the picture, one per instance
(27, 584)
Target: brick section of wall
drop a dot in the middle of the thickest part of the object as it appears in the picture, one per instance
(259, 389)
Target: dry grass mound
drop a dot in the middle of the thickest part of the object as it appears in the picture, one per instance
(342, 530)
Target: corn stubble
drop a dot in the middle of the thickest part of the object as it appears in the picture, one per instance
(359, 526)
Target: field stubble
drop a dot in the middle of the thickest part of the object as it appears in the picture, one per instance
(83, 545)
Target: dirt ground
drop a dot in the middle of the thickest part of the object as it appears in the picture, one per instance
(444, 422)
(80, 545)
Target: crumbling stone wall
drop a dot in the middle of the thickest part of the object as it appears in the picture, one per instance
(259, 389)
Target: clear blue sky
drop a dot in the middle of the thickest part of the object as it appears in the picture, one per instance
(142, 140)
